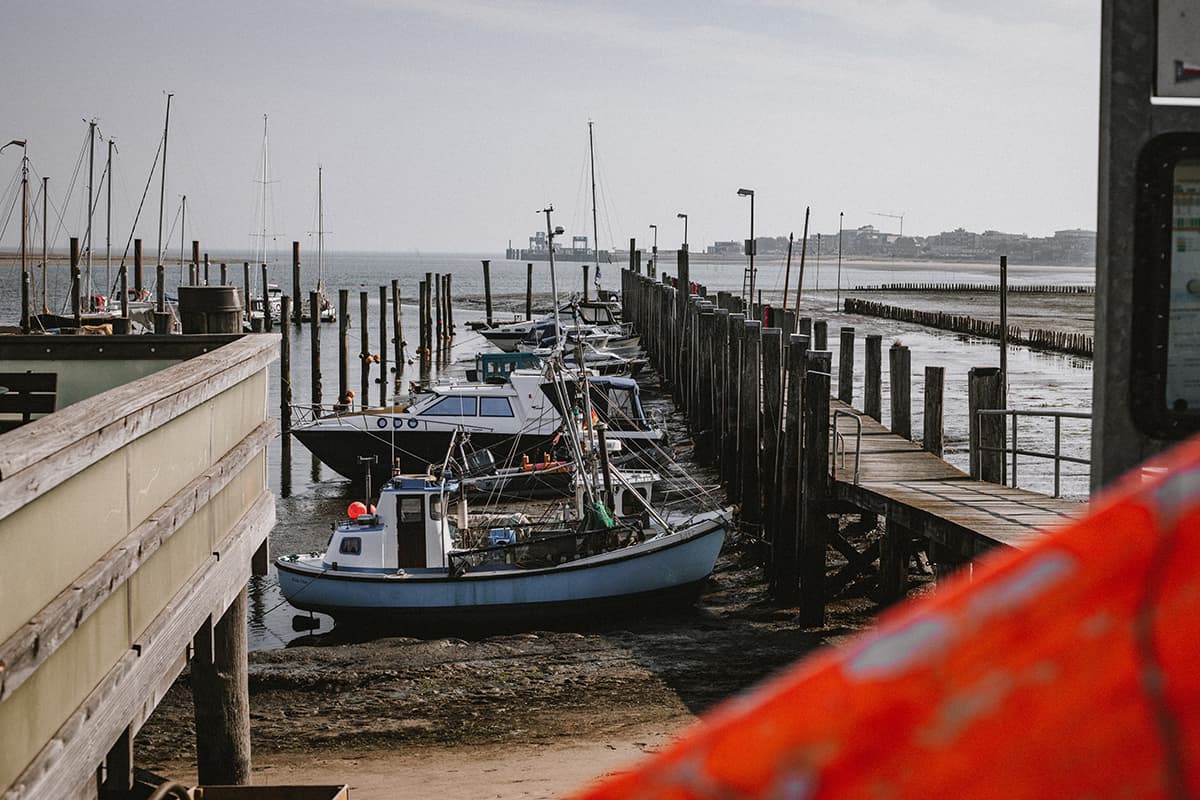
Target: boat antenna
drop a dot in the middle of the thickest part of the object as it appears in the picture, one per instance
(363, 461)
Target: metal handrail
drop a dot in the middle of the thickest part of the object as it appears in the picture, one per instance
(838, 437)
(1057, 456)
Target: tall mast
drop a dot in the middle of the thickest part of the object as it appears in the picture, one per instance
(108, 221)
(25, 300)
(320, 235)
(162, 191)
(45, 225)
(595, 233)
(182, 233)
(262, 240)
(91, 175)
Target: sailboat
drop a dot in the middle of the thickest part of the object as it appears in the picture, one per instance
(327, 312)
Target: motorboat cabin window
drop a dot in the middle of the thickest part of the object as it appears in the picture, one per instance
(351, 546)
(435, 507)
(452, 407)
(495, 407)
(411, 509)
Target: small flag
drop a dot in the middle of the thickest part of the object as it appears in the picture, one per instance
(596, 280)
(1186, 72)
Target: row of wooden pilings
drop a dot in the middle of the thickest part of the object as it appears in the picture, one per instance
(757, 399)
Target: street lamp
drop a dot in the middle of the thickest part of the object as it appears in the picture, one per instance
(683, 217)
(654, 250)
(750, 248)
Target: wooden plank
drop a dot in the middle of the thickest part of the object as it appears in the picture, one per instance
(23, 652)
(131, 690)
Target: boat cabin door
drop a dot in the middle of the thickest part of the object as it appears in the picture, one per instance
(410, 530)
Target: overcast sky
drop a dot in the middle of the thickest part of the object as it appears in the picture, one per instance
(444, 125)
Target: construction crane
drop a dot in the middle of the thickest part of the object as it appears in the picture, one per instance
(899, 216)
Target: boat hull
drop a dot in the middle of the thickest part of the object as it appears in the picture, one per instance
(673, 567)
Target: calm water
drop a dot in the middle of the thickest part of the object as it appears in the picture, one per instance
(312, 496)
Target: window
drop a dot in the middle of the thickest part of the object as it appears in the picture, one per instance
(435, 507)
(351, 546)
(452, 407)
(411, 509)
(495, 407)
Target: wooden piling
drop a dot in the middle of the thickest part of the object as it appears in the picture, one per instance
(285, 372)
(873, 379)
(846, 366)
(448, 294)
(487, 290)
(729, 471)
(343, 347)
(314, 327)
(297, 316)
(221, 696)
(364, 357)
(749, 423)
(246, 289)
(438, 331)
(529, 291)
(162, 317)
(772, 421)
(586, 270)
(194, 267)
(900, 376)
(383, 349)
(206, 281)
(76, 285)
(397, 332)
(785, 544)
(266, 303)
(814, 477)
(932, 440)
(820, 336)
(138, 282)
(804, 327)
(894, 554)
(984, 391)
(224, 275)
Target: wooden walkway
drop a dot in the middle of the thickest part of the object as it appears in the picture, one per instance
(921, 492)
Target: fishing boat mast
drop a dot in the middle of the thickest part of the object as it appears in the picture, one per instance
(108, 218)
(595, 231)
(162, 192)
(321, 243)
(87, 283)
(45, 208)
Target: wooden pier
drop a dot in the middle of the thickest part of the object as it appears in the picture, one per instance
(759, 400)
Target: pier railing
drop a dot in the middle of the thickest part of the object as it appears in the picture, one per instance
(1012, 450)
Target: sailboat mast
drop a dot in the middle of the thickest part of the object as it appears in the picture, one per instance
(320, 235)
(182, 233)
(25, 279)
(262, 240)
(91, 176)
(108, 221)
(45, 225)
(162, 192)
(595, 232)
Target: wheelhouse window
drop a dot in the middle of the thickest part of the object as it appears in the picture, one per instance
(351, 546)
(451, 407)
(435, 507)
(411, 509)
(495, 407)
(622, 409)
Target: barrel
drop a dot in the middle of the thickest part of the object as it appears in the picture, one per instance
(210, 309)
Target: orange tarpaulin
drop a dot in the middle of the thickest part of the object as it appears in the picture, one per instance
(1068, 670)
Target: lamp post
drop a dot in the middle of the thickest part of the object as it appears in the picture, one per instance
(24, 227)
(654, 249)
(839, 275)
(683, 217)
(750, 248)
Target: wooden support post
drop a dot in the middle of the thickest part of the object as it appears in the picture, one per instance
(873, 380)
(786, 544)
(266, 303)
(733, 367)
(364, 356)
(634, 267)
(383, 343)
(804, 327)
(984, 390)
(285, 372)
(750, 418)
(893, 562)
(138, 282)
(246, 290)
(194, 268)
(934, 379)
(586, 269)
(343, 347)
(438, 331)
(772, 419)
(296, 318)
(900, 376)
(422, 293)
(814, 477)
(118, 780)
(448, 295)
(162, 317)
(846, 366)
(529, 291)
(206, 281)
(820, 337)
(124, 296)
(427, 310)
(220, 691)
(224, 274)
(397, 333)
(720, 364)
(314, 327)
(76, 285)
(487, 290)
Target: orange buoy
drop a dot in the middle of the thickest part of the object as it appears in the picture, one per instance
(357, 509)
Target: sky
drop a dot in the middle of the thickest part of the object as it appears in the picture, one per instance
(448, 125)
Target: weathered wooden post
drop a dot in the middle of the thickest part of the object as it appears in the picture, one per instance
(934, 379)
(398, 334)
(487, 290)
(364, 359)
(729, 462)
(895, 551)
(422, 293)
(221, 695)
(586, 269)
(296, 314)
(749, 431)
(206, 281)
(246, 290)
(820, 337)
(266, 302)
(343, 397)
(383, 350)
(449, 295)
(873, 380)
(804, 327)
(786, 544)
(984, 390)
(314, 323)
(846, 366)
(194, 267)
(138, 283)
(900, 375)
(772, 419)
(224, 275)
(285, 373)
(162, 317)
(438, 331)
(529, 291)
(77, 288)
(814, 476)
